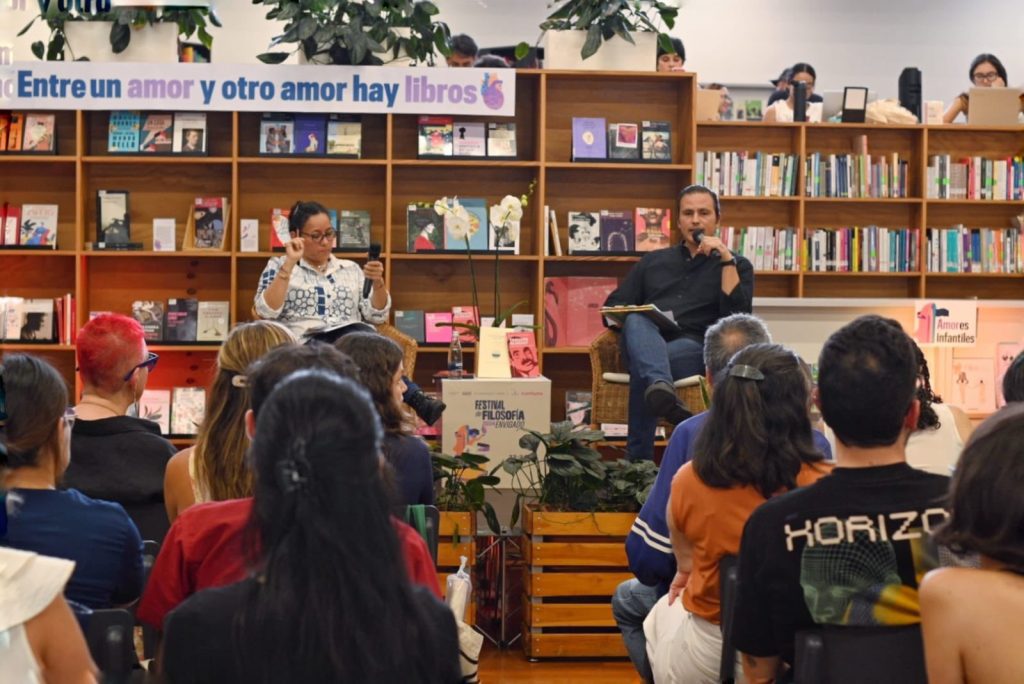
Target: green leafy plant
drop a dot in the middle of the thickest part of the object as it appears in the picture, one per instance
(358, 31)
(629, 483)
(457, 493)
(603, 19)
(124, 19)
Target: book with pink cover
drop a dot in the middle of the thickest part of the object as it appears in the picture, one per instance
(556, 307)
(467, 315)
(434, 333)
(586, 297)
(522, 354)
(653, 229)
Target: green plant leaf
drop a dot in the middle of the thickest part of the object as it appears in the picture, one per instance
(272, 57)
(27, 27)
(592, 43)
(288, 10)
(38, 49)
(487, 480)
(522, 50)
(492, 518)
(516, 509)
(120, 37)
(55, 50)
(307, 27)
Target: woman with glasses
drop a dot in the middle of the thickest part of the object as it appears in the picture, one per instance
(782, 110)
(116, 456)
(986, 72)
(97, 535)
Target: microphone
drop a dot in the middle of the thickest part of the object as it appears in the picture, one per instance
(698, 235)
(374, 255)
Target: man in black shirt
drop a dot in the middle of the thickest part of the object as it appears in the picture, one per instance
(851, 548)
(699, 281)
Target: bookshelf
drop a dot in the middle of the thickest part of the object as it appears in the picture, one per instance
(389, 177)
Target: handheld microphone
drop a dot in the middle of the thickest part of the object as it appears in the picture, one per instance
(698, 235)
(374, 255)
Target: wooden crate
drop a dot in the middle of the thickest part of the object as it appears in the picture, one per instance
(457, 537)
(574, 562)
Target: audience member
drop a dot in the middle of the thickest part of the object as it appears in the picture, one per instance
(700, 281)
(114, 456)
(782, 110)
(490, 62)
(330, 600)
(942, 430)
(40, 640)
(848, 549)
(215, 468)
(97, 535)
(464, 51)
(972, 619)
(781, 91)
(381, 373)
(725, 105)
(671, 60)
(1013, 380)
(755, 444)
(204, 547)
(986, 72)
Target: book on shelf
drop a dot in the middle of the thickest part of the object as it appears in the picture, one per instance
(279, 229)
(310, 132)
(505, 238)
(207, 223)
(748, 174)
(164, 234)
(113, 221)
(617, 232)
(437, 327)
(436, 135)
(190, 135)
(5, 125)
(344, 136)
(476, 207)
(856, 175)
(249, 235)
(768, 248)
(492, 359)
(975, 178)
(522, 354)
(589, 141)
(157, 133)
(213, 321)
(959, 249)
(653, 228)
(67, 319)
(155, 405)
(11, 229)
(462, 316)
(663, 319)
(353, 229)
(188, 406)
(501, 140)
(40, 133)
(623, 141)
(181, 320)
(424, 228)
(470, 139)
(277, 134)
(410, 322)
(572, 309)
(150, 315)
(556, 242)
(38, 225)
(14, 131)
(656, 139)
(584, 232)
(12, 316)
(123, 129)
(37, 321)
(578, 407)
(861, 249)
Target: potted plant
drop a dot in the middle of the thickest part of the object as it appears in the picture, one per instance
(107, 36)
(358, 32)
(613, 35)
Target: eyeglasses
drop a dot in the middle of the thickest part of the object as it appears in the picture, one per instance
(988, 77)
(319, 237)
(148, 364)
(69, 416)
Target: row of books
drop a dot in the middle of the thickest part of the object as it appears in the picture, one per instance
(643, 229)
(38, 320)
(444, 137)
(182, 320)
(749, 174)
(428, 231)
(178, 411)
(572, 309)
(436, 327)
(975, 250)
(132, 132)
(351, 228)
(975, 178)
(28, 225)
(311, 135)
(768, 248)
(32, 132)
(594, 139)
(856, 175)
(861, 249)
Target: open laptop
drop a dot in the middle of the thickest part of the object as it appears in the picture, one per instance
(994, 106)
(832, 103)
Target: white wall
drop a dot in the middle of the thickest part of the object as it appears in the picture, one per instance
(850, 42)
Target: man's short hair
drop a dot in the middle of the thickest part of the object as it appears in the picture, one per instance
(108, 346)
(490, 62)
(867, 378)
(701, 189)
(729, 335)
(264, 374)
(464, 45)
(677, 48)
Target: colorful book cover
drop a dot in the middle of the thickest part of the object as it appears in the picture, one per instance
(277, 134)
(617, 233)
(190, 133)
(39, 225)
(113, 225)
(584, 232)
(157, 133)
(586, 297)
(556, 311)
(155, 405)
(188, 406)
(181, 320)
(656, 141)
(653, 229)
(470, 139)
(353, 230)
(437, 327)
(123, 132)
(522, 354)
(164, 234)
(12, 316)
(37, 320)
(411, 322)
(466, 315)
(623, 141)
(310, 131)
(972, 385)
(14, 131)
(477, 209)
(208, 213)
(344, 137)
(213, 321)
(40, 134)
(150, 315)
(424, 229)
(279, 233)
(501, 140)
(588, 138)
(506, 239)
(435, 136)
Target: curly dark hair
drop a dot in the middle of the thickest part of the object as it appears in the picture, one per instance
(925, 395)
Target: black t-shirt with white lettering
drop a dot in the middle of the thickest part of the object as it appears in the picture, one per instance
(847, 550)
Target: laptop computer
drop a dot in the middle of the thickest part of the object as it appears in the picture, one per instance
(832, 103)
(994, 106)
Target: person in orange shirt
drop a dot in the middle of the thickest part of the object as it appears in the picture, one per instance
(757, 442)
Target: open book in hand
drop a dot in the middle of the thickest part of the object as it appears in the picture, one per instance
(663, 319)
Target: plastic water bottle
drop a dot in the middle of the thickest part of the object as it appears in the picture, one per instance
(455, 356)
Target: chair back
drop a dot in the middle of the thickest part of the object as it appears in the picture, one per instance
(408, 345)
(427, 521)
(729, 582)
(847, 655)
(110, 639)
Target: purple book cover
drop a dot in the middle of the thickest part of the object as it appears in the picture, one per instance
(617, 234)
(589, 138)
(310, 132)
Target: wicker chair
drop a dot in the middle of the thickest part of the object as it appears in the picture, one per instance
(409, 346)
(610, 389)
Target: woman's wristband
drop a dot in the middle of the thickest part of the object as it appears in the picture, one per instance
(728, 262)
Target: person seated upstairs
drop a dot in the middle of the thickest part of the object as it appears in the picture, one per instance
(942, 429)
(848, 549)
(699, 281)
(782, 89)
(1013, 380)
(114, 456)
(781, 110)
(490, 62)
(380, 371)
(671, 60)
(972, 619)
(756, 443)
(204, 547)
(330, 599)
(98, 536)
(986, 71)
(464, 51)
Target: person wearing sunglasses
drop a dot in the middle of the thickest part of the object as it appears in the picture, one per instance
(98, 536)
(986, 72)
(115, 455)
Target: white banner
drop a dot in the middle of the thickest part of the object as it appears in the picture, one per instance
(946, 322)
(257, 88)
